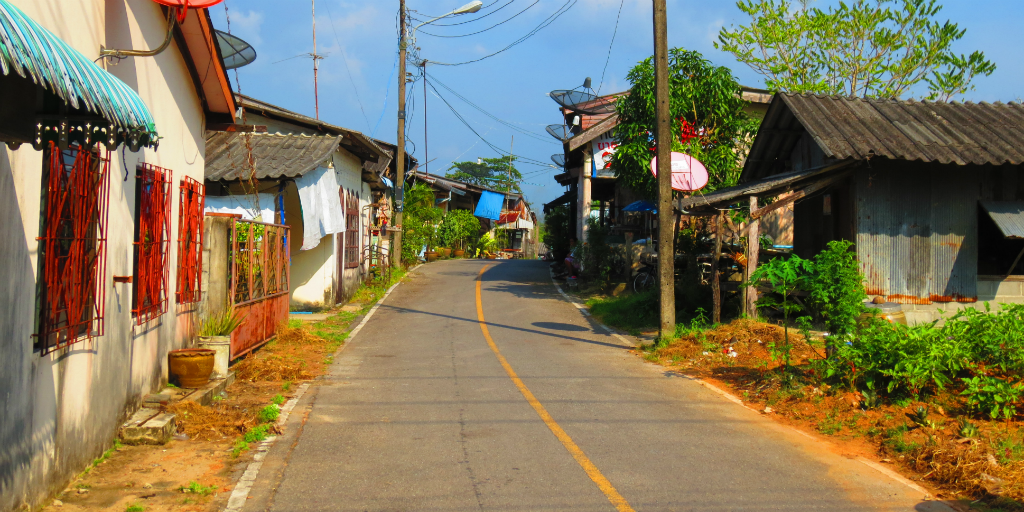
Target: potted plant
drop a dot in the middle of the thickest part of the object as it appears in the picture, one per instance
(463, 225)
(487, 245)
(194, 366)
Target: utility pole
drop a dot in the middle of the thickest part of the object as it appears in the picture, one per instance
(316, 66)
(663, 134)
(396, 254)
(426, 151)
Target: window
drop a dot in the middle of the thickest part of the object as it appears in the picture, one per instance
(152, 233)
(191, 200)
(72, 259)
(351, 202)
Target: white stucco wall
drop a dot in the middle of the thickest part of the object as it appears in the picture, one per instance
(60, 411)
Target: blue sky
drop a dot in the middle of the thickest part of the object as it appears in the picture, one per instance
(360, 42)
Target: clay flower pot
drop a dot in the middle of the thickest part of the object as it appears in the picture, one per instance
(192, 366)
(431, 256)
(459, 253)
(447, 252)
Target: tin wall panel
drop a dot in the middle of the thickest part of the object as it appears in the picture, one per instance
(873, 238)
(911, 222)
(954, 236)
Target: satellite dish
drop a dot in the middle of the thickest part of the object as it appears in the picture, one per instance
(559, 131)
(558, 159)
(583, 102)
(184, 5)
(237, 53)
(688, 174)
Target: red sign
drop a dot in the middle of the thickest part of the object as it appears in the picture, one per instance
(688, 174)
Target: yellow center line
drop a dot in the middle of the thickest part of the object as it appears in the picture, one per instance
(595, 474)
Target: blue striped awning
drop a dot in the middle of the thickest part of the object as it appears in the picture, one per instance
(32, 51)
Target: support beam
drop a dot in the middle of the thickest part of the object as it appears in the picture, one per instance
(716, 286)
(753, 251)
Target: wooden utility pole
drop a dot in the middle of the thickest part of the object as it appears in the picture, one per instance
(396, 254)
(316, 66)
(716, 285)
(426, 150)
(663, 134)
(753, 250)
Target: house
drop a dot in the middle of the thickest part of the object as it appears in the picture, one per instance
(495, 209)
(592, 190)
(930, 193)
(335, 217)
(101, 176)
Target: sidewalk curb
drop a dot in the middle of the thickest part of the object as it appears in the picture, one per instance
(239, 495)
(737, 400)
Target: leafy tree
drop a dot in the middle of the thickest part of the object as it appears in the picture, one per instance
(490, 172)
(871, 49)
(420, 220)
(458, 226)
(709, 121)
(556, 232)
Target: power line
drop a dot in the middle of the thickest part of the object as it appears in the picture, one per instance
(344, 57)
(547, 21)
(609, 57)
(387, 92)
(514, 16)
(492, 116)
(478, 18)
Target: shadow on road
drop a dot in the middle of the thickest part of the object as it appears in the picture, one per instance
(558, 326)
(511, 327)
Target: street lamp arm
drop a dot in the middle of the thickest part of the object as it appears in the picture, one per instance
(471, 7)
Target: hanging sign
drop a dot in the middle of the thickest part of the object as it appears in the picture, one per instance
(688, 174)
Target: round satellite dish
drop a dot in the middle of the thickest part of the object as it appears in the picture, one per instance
(558, 159)
(559, 131)
(688, 174)
(237, 53)
(189, 4)
(583, 102)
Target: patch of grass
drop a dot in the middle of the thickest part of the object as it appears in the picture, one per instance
(195, 487)
(270, 413)
(239, 447)
(286, 386)
(628, 312)
(831, 424)
(294, 323)
(278, 399)
(103, 458)
(135, 507)
(257, 433)
(894, 439)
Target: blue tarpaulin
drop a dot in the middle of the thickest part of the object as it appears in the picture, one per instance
(490, 205)
(641, 206)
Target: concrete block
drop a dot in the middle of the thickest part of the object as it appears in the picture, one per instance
(205, 394)
(1008, 289)
(148, 426)
(987, 290)
(920, 317)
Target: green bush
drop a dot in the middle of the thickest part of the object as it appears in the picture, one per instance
(837, 289)
(556, 231)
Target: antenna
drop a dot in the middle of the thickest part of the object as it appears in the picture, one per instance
(316, 65)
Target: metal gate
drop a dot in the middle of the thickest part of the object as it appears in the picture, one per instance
(260, 281)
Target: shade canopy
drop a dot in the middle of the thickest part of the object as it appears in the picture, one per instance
(1008, 216)
(490, 205)
(34, 52)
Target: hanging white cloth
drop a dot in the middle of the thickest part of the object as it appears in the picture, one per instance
(322, 213)
(244, 206)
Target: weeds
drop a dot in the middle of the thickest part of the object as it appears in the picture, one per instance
(195, 487)
(286, 386)
(239, 447)
(278, 399)
(135, 507)
(269, 414)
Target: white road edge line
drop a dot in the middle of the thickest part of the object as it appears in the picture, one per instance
(241, 491)
(737, 400)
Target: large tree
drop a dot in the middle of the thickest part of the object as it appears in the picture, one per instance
(709, 122)
(865, 48)
(496, 173)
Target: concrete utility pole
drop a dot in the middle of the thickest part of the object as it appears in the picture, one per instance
(663, 134)
(396, 254)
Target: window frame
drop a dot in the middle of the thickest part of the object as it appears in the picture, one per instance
(351, 201)
(189, 277)
(72, 247)
(152, 215)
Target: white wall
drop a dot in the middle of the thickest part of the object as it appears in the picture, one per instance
(60, 411)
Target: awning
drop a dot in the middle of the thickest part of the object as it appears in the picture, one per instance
(32, 51)
(490, 205)
(641, 206)
(565, 198)
(1008, 216)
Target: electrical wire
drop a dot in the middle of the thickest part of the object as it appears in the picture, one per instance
(609, 57)
(547, 21)
(514, 16)
(387, 92)
(492, 116)
(344, 57)
(478, 18)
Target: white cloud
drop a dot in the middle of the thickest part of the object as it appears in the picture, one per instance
(247, 25)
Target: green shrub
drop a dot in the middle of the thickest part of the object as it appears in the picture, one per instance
(993, 396)
(269, 413)
(257, 434)
(837, 289)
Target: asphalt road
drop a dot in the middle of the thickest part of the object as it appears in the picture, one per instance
(535, 408)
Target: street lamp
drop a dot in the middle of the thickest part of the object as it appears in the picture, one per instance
(474, 6)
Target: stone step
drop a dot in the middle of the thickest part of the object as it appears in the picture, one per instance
(149, 425)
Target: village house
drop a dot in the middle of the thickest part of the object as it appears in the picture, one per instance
(930, 193)
(101, 180)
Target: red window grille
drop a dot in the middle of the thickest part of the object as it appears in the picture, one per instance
(73, 247)
(351, 202)
(152, 234)
(191, 201)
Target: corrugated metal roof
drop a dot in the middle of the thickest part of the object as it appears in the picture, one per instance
(1008, 215)
(36, 52)
(276, 155)
(858, 128)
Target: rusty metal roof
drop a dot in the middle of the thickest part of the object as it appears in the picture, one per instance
(859, 129)
(1008, 216)
(276, 155)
